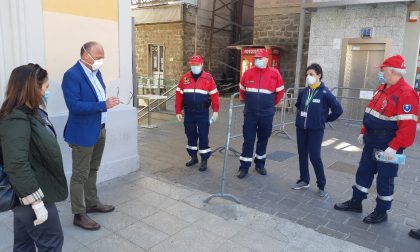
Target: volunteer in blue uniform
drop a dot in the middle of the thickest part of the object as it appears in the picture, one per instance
(316, 105)
(389, 124)
(195, 93)
(261, 88)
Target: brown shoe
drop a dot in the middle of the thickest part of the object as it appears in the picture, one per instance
(100, 208)
(85, 222)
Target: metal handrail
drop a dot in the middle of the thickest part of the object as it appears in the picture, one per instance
(164, 94)
(153, 108)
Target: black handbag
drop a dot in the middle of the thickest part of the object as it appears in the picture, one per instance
(8, 198)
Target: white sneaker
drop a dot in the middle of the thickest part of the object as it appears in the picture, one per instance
(300, 184)
(323, 193)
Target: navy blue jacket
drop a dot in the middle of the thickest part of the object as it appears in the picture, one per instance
(84, 123)
(318, 110)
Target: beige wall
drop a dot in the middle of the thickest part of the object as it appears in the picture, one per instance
(66, 28)
(108, 8)
(67, 25)
(54, 36)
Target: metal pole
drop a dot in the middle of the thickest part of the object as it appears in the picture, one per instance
(149, 116)
(299, 51)
(159, 85)
(134, 64)
(211, 33)
(225, 158)
(195, 35)
(149, 87)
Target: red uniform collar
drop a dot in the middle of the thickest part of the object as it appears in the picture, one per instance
(261, 69)
(394, 87)
(189, 74)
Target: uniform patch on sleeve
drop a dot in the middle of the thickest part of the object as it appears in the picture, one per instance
(407, 108)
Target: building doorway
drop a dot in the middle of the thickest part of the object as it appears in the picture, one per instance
(157, 66)
(358, 71)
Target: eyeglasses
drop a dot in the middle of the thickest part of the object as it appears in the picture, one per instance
(125, 103)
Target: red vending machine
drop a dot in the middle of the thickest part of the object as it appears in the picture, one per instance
(417, 86)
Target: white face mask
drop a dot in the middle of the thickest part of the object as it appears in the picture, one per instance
(97, 64)
(310, 80)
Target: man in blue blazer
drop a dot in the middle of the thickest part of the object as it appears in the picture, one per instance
(84, 93)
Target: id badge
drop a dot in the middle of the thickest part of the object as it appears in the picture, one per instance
(303, 113)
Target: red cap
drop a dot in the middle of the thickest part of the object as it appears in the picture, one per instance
(195, 59)
(261, 53)
(396, 61)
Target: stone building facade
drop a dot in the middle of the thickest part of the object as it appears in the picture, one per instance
(277, 23)
(330, 25)
(171, 35)
(176, 33)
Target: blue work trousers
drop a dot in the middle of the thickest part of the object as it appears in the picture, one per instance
(197, 128)
(309, 143)
(260, 127)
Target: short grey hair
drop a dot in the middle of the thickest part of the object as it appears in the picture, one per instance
(87, 46)
(398, 71)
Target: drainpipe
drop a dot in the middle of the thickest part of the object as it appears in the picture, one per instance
(299, 50)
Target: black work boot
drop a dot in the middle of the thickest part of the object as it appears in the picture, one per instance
(193, 161)
(203, 165)
(242, 174)
(415, 233)
(261, 171)
(375, 217)
(350, 205)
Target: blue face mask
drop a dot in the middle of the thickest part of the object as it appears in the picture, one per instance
(45, 96)
(381, 77)
(259, 63)
(196, 69)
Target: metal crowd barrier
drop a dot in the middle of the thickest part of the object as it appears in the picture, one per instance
(286, 113)
(233, 111)
(353, 101)
(236, 120)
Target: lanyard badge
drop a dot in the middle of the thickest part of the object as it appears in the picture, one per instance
(309, 98)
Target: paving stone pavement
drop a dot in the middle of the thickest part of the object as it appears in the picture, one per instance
(162, 154)
(153, 214)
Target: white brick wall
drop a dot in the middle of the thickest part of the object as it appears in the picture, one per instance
(327, 24)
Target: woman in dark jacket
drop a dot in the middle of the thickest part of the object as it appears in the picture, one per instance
(316, 105)
(32, 160)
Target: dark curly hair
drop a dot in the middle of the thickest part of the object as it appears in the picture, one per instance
(317, 68)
